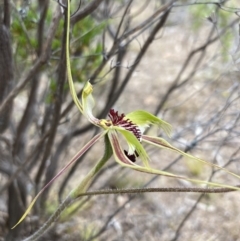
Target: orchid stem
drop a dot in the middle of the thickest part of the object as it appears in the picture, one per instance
(82, 187)
(51, 220)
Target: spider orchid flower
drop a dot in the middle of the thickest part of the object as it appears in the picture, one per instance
(132, 127)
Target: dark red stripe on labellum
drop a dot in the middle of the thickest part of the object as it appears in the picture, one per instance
(118, 120)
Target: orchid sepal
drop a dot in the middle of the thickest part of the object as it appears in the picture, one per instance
(162, 143)
(69, 72)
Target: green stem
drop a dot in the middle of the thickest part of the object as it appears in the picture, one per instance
(87, 179)
(51, 220)
(83, 186)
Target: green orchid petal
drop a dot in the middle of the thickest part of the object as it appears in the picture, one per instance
(160, 142)
(121, 158)
(143, 119)
(133, 144)
(88, 103)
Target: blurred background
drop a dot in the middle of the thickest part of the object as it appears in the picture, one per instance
(176, 59)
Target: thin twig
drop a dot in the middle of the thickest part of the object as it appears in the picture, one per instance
(159, 190)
